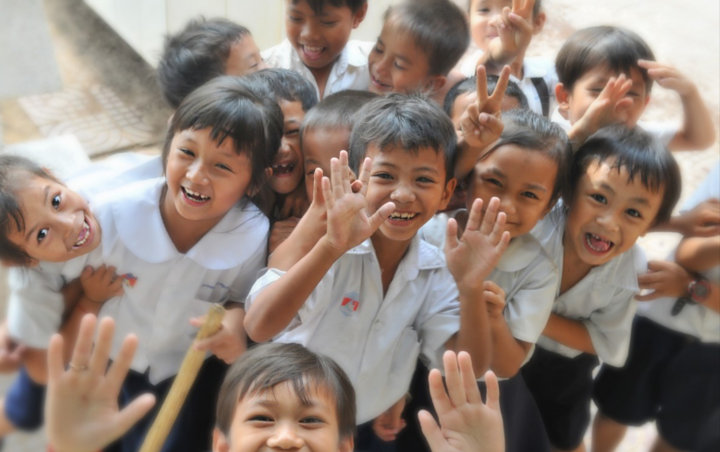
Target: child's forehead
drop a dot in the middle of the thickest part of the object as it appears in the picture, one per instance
(325, 7)
(396, 154)
(307, 393)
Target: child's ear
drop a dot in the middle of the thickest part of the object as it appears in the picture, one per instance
(447, 193)
(435, 83)
(563, 99)
(359, 15)
(539, 22)
(219, 441)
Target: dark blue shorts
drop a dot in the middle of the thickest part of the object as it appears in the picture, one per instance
(669, 377)
(562, 389)
(24, 402)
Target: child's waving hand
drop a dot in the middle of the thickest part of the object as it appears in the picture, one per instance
(348, 221)
(471, 258)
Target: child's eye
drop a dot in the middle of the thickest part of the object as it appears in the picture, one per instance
(42, 233)
(294, 19)
(311, 420)
(378, 50)
(599, 198)
(260, 418)
(493, 181)
(483, 10)
(425, 180)
(187, 152)
(329, 23)
(292, 132)
(310, 171)
(531, 195)
(634, 213)
(385, 176)
(56, 201)
(224, 167)
(398, 65)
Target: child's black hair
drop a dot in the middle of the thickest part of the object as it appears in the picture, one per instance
(438, 28)
(267, 365)
(286, 84)
(233, 108)
(469, 85)
(407, 122)
(196, 54)
(13, 170)
(615, 47)
(336, 111)
(640, 154)
(529, 130)
(317, 5)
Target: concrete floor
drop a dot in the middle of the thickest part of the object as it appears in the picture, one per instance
(88, 54)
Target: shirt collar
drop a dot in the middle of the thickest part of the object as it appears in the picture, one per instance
(143, 232)
(519, 253)
(420, 255)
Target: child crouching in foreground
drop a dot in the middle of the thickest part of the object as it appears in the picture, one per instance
(276, 395)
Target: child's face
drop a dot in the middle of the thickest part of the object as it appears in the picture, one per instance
(204, 179)
(485, 16)
(287, 169)
(523, 180)
(463, 100)
(58, 222)
(574, 103)
(244, 58)
(320, 38)
(415, 182)
(397, 65)
(608, 213)
(319, 145)
(277, 419)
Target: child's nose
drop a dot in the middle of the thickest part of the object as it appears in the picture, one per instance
(402, 194)
(508, 206)
(608, 221)
(309, 31)
(196, 173)
(285, 437)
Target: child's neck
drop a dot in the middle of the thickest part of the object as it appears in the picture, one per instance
(321, 77)
(184, 233)
(389, 253)
(516, 67)
(573, 268)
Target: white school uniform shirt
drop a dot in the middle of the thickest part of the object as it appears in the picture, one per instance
(350, 70)
(664, 132)
(377, 339)
(694, 319)
(533, 67)
(603, 300)
(164, 288)
(525, 272)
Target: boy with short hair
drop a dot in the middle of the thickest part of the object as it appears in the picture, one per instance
(204, 49)
(421, 40)
(605, 77)
(318, 46)
(371, 294)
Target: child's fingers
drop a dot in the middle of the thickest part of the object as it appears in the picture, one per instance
(344, 174)
(55, 358)
(493, 391)
(121, 365)
(327, 193)
(451, 240)
(490, 219)
(365, 174)
(318, 198)
(336, 179)
(481, 86)
(499, 93)
(132, 413)
(101, 351)
(381, 215)
(431, 430)
(83, 344)
(439, 397)
(472, 393)
(453, 380)
(475, 215)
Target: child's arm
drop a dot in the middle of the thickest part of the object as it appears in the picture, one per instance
(699, 254)
(702, 220)
(569, 332)
(390, 423)
(698, 131)
(82, 296)
(480, 124)
(348, 224)
(515, 31)
(466, 423)
(508, 353)
(470, 260)
(663, 279)
(81, 410)
(610, 107)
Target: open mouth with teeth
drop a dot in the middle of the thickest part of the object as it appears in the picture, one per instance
(84, 235)
(283, 169)
(597, 244)
(401, 217)
(194, 197)
(312, 52)
(379, 85)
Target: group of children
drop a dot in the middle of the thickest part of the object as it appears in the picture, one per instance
(332, 202)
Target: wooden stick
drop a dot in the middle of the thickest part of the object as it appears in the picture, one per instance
(181, 385)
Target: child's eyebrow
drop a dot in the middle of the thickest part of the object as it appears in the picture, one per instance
(498, 173)
(46, 194)
(536, 187)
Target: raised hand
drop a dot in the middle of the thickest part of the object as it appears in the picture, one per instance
(100, 284)
(471, 258)
(81, 410)
(466, 423)
(663, 279)
(494, 297)
(480, 123)
(348, 221)
(610, 107)
(515, 30)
